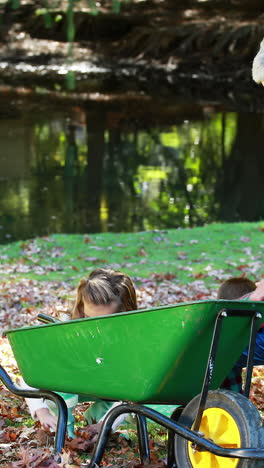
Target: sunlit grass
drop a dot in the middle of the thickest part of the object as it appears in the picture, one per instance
(188, 254)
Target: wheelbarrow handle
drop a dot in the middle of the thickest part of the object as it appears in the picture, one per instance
(47, 318)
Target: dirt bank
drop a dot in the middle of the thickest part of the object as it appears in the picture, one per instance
(202, 50)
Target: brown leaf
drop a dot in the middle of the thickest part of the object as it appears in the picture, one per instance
(79, 444)
(142, 252)
(242, 267)
(169, 276)
(42, 436)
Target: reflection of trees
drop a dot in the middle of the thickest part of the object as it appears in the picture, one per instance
(186, 194)
(95, 156)
(240, 182)
(182, 194)
(45, 144)
(122, 161)
(39, 203)
(201, 171)
(46, 186)
(70, 170)
(231, 156)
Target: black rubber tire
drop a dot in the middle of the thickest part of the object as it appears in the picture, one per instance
(171, 461)
(242, 411)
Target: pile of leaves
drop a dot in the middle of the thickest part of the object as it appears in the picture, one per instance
(23, 443)
(257, 388)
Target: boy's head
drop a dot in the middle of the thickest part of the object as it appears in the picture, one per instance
(234, 288)
(104, 292)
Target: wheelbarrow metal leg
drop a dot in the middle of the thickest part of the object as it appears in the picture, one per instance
(143, 440)
(57, 399)
(61, 424)
(209, 368)
(106, 431)
(251, 350)
(102, 441)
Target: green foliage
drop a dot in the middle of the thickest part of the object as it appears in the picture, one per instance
(116, 4)
(70, 21)
(15, 4)
(93, 7)
(70, 80)
(26, 421)
(49, 19)
(50, 5)
(11, 422)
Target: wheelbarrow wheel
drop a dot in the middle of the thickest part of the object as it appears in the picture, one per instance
(230, 420)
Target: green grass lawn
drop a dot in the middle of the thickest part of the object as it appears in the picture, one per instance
(188, 254)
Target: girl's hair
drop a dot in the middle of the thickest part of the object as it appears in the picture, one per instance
(103, 287)
(234, 288)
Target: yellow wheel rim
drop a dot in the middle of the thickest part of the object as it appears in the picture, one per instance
(219, 426)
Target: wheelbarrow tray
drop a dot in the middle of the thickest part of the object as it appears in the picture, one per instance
(155, 355)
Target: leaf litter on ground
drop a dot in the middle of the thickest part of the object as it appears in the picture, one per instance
(30, 284)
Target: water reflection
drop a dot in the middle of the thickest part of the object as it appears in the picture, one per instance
(90, 170)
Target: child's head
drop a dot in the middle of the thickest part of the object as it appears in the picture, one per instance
(234, 288)
(104, 292)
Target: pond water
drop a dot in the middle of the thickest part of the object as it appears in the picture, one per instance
(78, 169)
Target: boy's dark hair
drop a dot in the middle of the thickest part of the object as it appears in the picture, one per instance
(234, 288)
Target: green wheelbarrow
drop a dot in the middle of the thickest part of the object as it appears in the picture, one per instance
(176, 355)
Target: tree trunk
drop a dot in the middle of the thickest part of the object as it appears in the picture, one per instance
(95, 157)
(243, 172)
